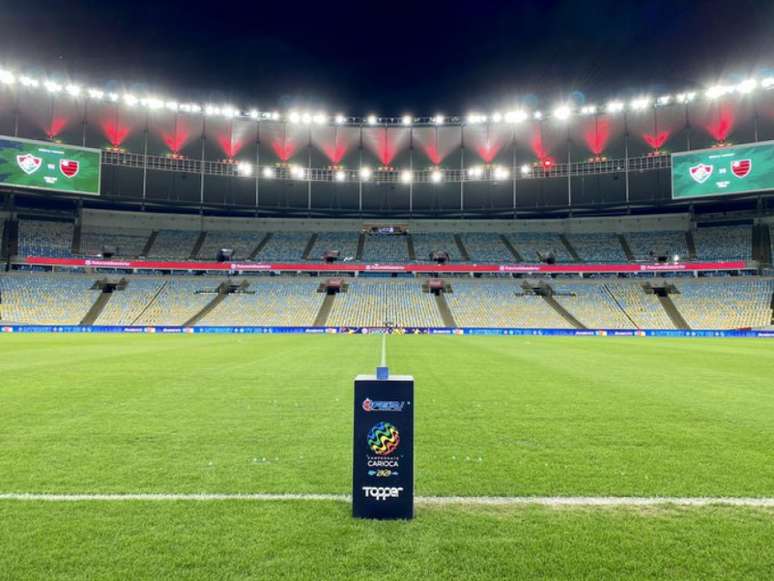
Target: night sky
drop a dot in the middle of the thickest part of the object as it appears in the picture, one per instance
(387, 58)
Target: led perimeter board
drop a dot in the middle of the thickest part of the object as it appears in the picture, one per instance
(735, 169)
(25, 163)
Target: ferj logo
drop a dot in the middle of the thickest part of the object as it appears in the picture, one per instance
(383, 439)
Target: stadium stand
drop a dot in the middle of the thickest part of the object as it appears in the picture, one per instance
(43, 238)
(723, 243)
(651, 245)
(46, 299)
(344, 242)
(179, 301)
(285, 246)
(242, 243)
(483, 247)
(371, 303)
(127, 242)
(599, 247)
(724, 303)
(273, 301)
(500, 303)
(385, 249)
(125, 306)
(644, 309)
(177, 244)
(531, 244)
(592, 304)
(425, 244)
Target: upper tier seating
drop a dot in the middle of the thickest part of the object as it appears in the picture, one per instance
(498, 303)
(178, 301)
(380, 248)
(723, 243)
(242, 243)
(127, 242)
(644, 308)
(426, 243)
(371, 303)
(125, 306)
(483, 247)
(729, 303)
(591, 304)
(651, 245)
(42, 238)
(288, 246)
(176, 244)
(278, 301)
(46, 299)
(529, 244)
(599, 247)
(344, 242)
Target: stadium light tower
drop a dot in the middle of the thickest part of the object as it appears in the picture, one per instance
(406, 120)
(372, 119)
(438, 119)
(562, 112)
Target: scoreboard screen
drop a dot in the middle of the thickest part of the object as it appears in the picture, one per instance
(42, 165)
(735, 169)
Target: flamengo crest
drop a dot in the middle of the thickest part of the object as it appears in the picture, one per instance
(741, 167)
(69, 167)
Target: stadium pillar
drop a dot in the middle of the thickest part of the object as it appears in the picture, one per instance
(462, 167)
(257, 166)
(383, 446)
(569, 171)
(309, 171)
(411, 169)
(513, 168)
(145, 159)
(626, 155)
(201, 173)
(360, 175)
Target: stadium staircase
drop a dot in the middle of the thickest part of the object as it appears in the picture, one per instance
(11, 236)
(223, 292)
(575, 256)
(626, 248)
(564, 313)
(260, 246)
(325, 310)
(309, 246)
(102, 300)
(410, 247)
(149, 244)
(361, 239)
(445, 311)
(198, 246)
(674, 315)
(511, 248)
(75, 247)
(761, 250)
(461, 248)
(4, 241)
(691, 243)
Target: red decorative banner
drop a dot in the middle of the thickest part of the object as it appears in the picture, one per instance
(353, 267)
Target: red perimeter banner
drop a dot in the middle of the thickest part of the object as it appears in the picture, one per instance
(352, 267)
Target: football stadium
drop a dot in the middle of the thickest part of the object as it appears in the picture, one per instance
(286, 341)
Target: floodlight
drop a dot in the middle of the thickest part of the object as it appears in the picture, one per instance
(406, 176)
(341, 175)
(640, 103)
(476, 172)
(130, 99)
(516, 116)
(294, 117)
(52, 87)
(340, 120)
(406, 120)
(28, 81)
(614, 107)
(73, 90)
(500, 173)
(747, 86)
(588, 110)
(562, 112)
(525, 169)
(436, 176)
(268, 172)
(372, 119)
(7, 78)
(244, 169)
(439, 119)
(365, 173)
(297, 172)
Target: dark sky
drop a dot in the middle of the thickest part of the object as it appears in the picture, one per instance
(390, 58)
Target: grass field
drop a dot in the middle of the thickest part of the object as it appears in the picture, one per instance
(502, 416)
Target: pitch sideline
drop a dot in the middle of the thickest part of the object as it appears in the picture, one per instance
(579, 501)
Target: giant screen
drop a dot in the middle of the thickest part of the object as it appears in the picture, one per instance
(733, 169)
(25, 163)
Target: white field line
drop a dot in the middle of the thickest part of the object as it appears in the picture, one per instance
(579, 501)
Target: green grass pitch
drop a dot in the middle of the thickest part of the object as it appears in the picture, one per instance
(504, 416)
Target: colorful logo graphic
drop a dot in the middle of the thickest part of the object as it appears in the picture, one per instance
(741, 167)
(370, 405)
(701, 173)
(69, 167)
(28, 163)
(383, 439)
